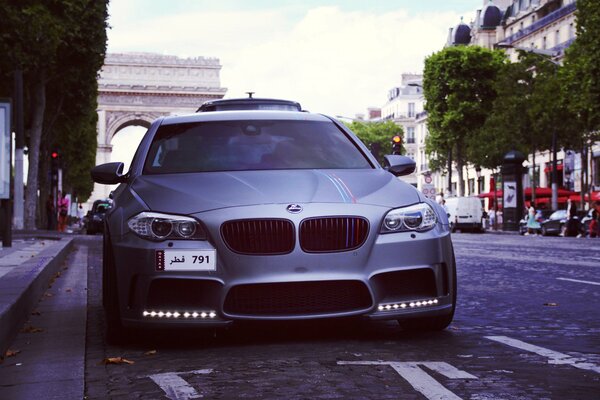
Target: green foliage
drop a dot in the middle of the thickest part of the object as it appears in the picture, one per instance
(527, 111)
(581, 75)
(377, 135)
(459, 88)
(60, 46)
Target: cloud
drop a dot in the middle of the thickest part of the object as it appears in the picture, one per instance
(332, 61)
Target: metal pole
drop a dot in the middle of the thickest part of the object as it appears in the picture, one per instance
(554, 173)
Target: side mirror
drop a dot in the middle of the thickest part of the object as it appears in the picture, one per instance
(109, 174)
(399, 165)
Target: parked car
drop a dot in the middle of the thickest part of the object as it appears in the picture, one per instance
(94, 220)
(541, 216)
(269, 215)
(465, 213)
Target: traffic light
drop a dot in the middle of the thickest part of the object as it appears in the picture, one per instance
(54, 166)
(397, 145)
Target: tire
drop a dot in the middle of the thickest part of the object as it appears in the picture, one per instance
(115, 332)
(438, 323)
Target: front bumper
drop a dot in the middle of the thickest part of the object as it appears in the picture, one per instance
(388, 269)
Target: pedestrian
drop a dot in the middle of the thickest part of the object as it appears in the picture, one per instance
(572, 227)
(50, 213)
(595, 222)
(492, 215)
(533, 226)
(80, 215)
(63, 211)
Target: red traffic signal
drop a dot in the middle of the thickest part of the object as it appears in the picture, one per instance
(54, 155)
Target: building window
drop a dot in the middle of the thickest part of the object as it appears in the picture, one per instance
(571, 31)
(471, 186)
(557, 37)
(544, 42)
(410, 134)
(411, 110)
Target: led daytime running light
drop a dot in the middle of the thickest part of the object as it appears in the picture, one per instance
(180, 314)
(408, 304)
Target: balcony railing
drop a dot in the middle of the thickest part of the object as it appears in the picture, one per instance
(410, 140)
(540, 23)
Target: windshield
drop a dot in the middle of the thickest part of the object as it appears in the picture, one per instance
(251, 145)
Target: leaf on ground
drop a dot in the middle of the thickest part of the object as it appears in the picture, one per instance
(117, 360)
(68, 290)
(150, 353)
(11, 353)
(36, 312)
(551, 304)
(31, 329)
(48, 294)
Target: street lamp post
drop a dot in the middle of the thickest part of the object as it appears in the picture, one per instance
(547, 55)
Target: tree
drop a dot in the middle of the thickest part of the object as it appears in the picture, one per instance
(581, 80)
(60, 46)
(458, 84)
(377, 135)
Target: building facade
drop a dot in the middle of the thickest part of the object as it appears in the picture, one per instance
(547, 25)
(405, 103)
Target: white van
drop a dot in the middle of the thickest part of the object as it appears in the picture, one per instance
(465, 213)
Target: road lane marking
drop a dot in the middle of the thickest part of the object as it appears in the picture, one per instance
(420, 380)
(175, 387)
(579, 281)
(554, 357)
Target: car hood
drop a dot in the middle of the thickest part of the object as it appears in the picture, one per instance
(198, 192)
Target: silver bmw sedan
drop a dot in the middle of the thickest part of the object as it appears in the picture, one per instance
(269, 215)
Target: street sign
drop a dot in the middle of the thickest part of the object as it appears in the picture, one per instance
(427, 178)
(428, 189)
(5, 150)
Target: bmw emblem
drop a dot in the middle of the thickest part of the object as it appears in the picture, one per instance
(294, 208)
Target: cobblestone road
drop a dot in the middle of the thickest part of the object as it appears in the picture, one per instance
(526, 328)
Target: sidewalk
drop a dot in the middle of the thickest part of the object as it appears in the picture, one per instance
(26, 268)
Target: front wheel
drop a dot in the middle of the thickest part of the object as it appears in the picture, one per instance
(434, 323)
(115, 332)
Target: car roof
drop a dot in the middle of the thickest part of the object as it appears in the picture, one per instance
(244, 115)
(250, 103)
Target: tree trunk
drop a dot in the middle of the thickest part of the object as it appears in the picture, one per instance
(459, 170)
(38, 109)
(449, 188)
(460, 175)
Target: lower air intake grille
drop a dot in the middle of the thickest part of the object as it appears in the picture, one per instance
(297, 298)
(259, 236)
(329, 234)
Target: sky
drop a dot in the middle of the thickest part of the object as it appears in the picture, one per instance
(333, 56)
(336, 57)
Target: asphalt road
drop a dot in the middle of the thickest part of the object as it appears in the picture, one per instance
(527, 327)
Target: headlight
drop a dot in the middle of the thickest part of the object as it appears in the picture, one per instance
(156, 226)
(419, 217)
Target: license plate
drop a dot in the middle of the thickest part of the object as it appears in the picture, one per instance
(186, 260)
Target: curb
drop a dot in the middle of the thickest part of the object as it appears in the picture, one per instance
(21, 289)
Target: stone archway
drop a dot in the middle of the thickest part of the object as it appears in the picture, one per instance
(137, 88)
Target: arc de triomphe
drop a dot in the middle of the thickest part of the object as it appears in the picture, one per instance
(137, 88)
